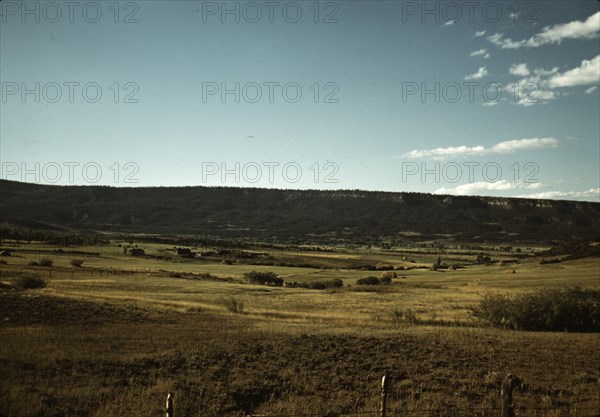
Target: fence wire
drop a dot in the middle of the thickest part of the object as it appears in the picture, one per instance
(442, 412)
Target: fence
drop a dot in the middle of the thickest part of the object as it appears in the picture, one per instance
(507, 406)
(66, 272)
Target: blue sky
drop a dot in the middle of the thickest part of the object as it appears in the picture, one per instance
(475, 98)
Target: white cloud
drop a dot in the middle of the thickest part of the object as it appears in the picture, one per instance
(499, 148)
(524, 144)
(533, 185)
(475, 187)
(498, 40)
(542, 86)
(592, 193)
(533, 89)
(577, 29)
(591, 89)
(481, 52)
(528, 93)
(482, 186)
(587, 73)
(481, 72)
(479, 33)
(519, 69)
(449, 23)
(439, 153)
(545, 95)
(588, 29)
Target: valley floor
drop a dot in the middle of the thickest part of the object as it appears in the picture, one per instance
(114, 337)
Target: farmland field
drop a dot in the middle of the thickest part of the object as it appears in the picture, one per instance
(114, 336)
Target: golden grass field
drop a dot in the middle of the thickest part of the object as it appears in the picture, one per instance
(113, 337)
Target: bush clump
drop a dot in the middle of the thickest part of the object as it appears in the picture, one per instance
(29, 281)
(77, 263)
(233, 305)
(398, 315)
(317, 285)
(46, 262)
(385, 280)
(263, 278)
(374, 281)
(367, 281)
(573, 309)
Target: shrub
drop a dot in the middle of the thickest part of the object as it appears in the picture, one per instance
(571, 309)
(368, 281)
(29, 281)
(323, 285)
(550, 261)
(33, 263)
(317, 285)
(77, 263)
(335, 283)
(411, 316)
(397, 316)
(385, 280)
(385, 268)
(233, 305)
(46, 262)
(263, 278)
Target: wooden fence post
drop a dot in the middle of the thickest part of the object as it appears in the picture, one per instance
(510, 382)
(170, 405)
(385, 383)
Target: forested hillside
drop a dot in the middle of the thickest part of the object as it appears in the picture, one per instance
(294, 214)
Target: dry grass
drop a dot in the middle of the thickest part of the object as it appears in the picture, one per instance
(98, 343)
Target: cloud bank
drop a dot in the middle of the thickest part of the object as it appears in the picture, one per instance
(588, 29)
(541, 86)
(480, 150)
(550, 195)
(483, 186)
